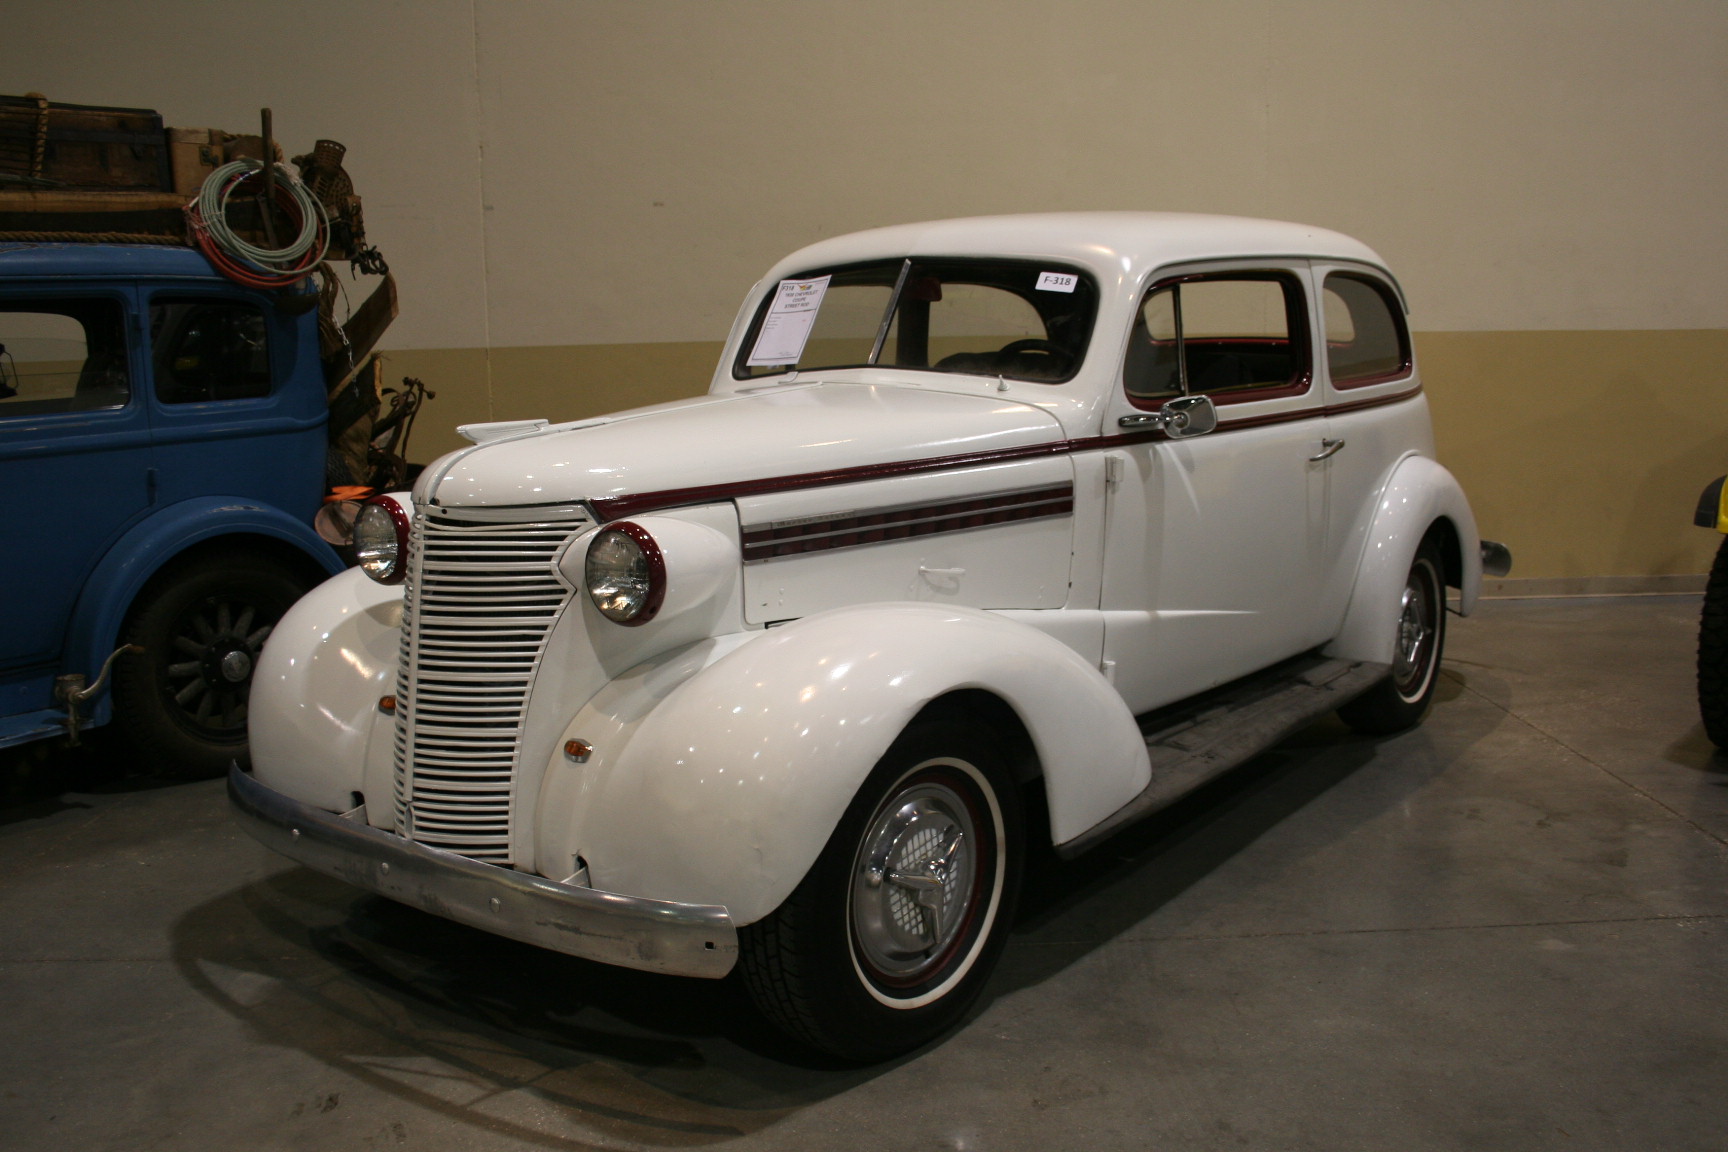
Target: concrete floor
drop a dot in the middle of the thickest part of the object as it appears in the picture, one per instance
(1508, 929)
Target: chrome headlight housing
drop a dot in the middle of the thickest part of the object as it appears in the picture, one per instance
(625, 573)
(381, 540)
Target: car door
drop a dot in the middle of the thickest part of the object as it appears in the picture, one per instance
(1375, 411)
(1215, 544)
(238, 405)
(75, 466)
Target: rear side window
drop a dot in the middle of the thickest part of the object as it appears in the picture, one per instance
(1366, 341)
(1222, 335)
(61, 356)
(208, 350)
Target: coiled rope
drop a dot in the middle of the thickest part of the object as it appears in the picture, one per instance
(244, 262)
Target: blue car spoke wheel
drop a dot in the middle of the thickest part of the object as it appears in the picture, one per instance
(202, 623)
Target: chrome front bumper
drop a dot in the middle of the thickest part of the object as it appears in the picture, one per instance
(631, 932)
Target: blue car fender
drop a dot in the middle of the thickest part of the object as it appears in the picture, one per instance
(145, 547)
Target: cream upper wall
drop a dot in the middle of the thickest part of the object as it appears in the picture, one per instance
(558, 173)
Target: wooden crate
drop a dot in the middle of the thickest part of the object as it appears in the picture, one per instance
(194, 153)
(47, 145)
(71, 171)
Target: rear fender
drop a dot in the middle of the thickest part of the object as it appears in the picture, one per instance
(1419, 494)
(717, 773)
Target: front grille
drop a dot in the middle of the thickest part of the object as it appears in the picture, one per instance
(480, 598)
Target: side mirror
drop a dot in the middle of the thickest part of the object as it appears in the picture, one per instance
(1188, 416)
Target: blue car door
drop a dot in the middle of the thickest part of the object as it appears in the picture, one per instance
(75, 464)
(238, 400)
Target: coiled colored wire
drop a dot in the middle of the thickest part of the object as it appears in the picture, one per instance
(246, 263)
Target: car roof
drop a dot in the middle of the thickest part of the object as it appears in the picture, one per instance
(102, 261)
(1108, 242)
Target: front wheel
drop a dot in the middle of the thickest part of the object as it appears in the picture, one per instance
(1402, 699)
(892, 933)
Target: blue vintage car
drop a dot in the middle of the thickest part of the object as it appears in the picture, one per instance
(162, 454)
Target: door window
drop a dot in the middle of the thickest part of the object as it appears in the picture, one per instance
(1227, 336)
(208, 350)
(61, 356)
(1366, 342)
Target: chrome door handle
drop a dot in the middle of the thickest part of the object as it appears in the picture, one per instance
(1328, 449)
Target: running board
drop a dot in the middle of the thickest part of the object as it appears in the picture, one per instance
(1199, 739)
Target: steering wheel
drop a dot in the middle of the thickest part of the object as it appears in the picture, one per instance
(1060, 357)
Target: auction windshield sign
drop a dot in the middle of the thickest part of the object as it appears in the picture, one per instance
(786, 328)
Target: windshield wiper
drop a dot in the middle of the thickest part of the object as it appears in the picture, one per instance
(888, 313)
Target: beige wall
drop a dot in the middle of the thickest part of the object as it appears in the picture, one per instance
(575, 194)
(1586, 451)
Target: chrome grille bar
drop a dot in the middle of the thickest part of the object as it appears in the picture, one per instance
(481, 597)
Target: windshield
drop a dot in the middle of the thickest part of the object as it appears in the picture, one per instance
(1022, 319)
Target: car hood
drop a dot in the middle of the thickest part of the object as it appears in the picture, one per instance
(796, 435)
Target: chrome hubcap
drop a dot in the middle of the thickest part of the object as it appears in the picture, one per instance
(1412, 631)
(236, 666)
(915, 881)
(216, 647)
(1417, 625)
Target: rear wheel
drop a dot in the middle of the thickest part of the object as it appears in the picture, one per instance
(1402, 699)
(202, 621)
(892, 934)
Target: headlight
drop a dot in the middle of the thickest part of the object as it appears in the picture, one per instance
(381, 540)
(625, 574)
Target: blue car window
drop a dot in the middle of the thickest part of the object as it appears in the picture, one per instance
(66, 355)
(206, 350)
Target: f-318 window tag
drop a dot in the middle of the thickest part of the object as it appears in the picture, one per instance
(1056, 281)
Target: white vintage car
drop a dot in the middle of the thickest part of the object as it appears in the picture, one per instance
(1094, 506)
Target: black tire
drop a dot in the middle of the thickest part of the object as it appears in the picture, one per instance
(890, 937)
(1713, 651)
(1402, 699)
(201, 621)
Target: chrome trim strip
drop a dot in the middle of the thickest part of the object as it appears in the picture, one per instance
(924, 510)
(628, 931)
(921, 521)
(862, 527)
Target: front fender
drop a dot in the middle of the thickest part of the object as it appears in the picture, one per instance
(151, 543)
(315, 730)
(718, 773)
(1419, 493)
